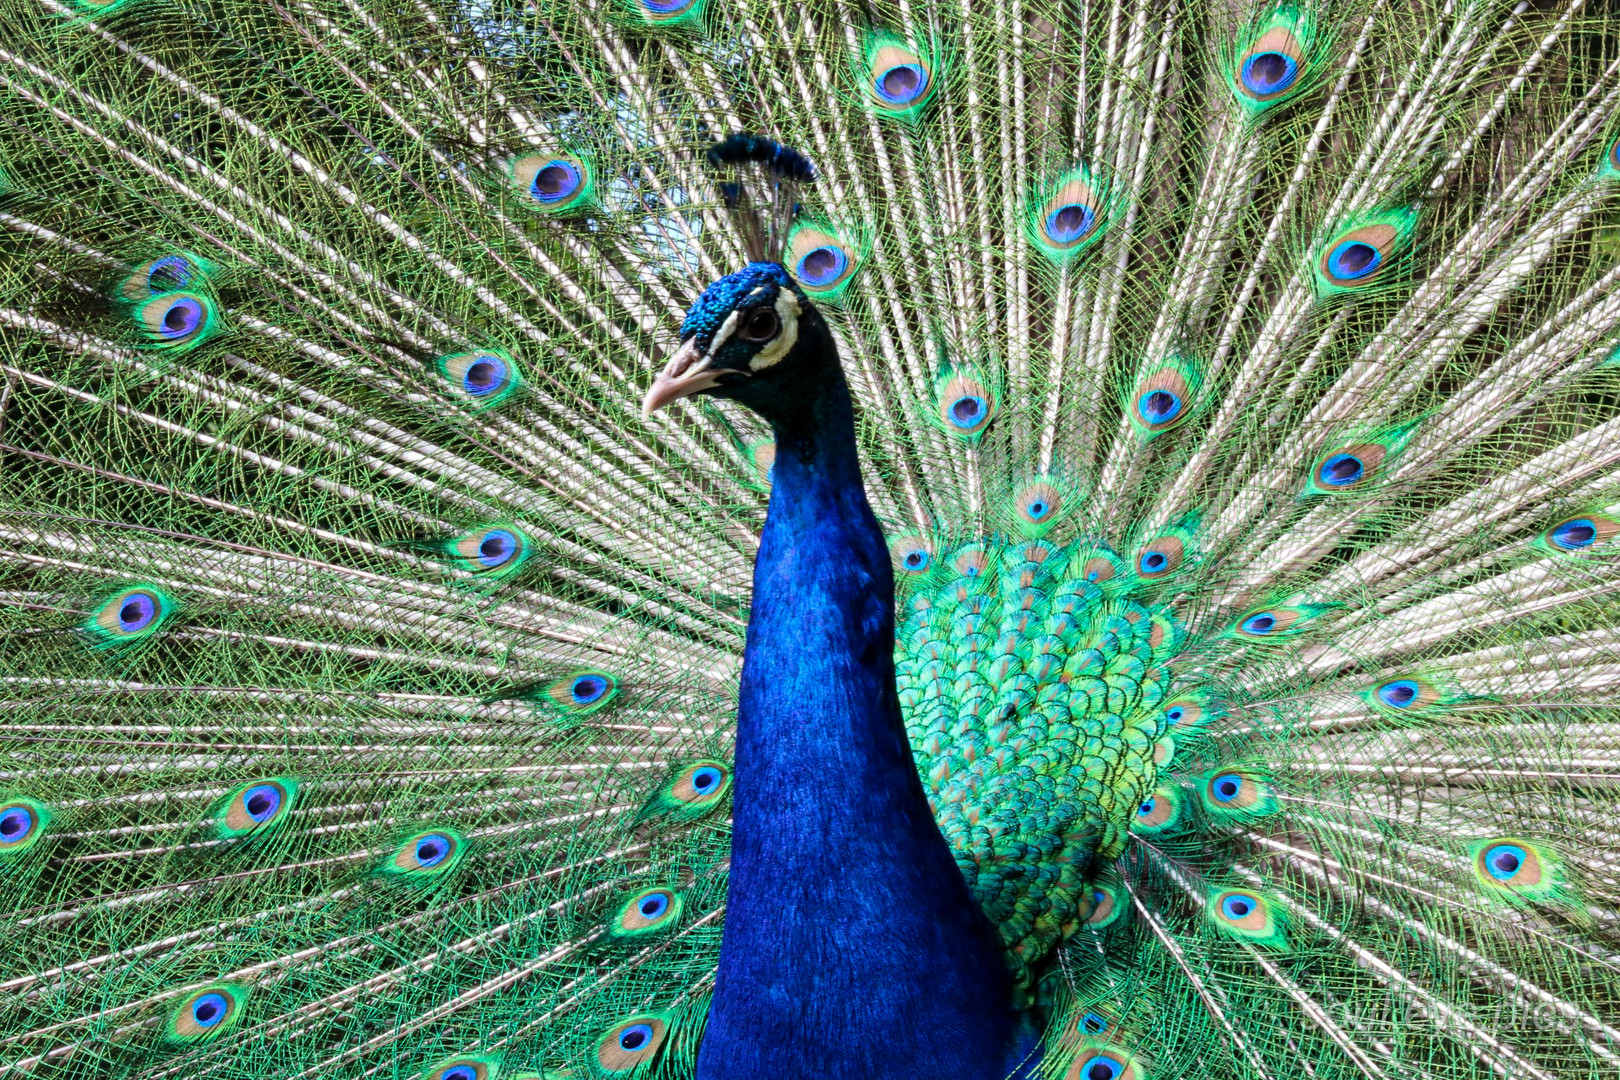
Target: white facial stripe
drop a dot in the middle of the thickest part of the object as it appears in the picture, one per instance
(787, 311)
(727, 328)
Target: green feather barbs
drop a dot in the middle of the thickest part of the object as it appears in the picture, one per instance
(128, 617)
(482, 379)
(22, 822)
(554, 183)
(206, 1013)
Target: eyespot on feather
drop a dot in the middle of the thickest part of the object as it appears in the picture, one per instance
(483, 378)
(912, 554)
(583, 692)
(175, 272)
(129, 616)
(464, 1068)
(695, 790)
(966, 405)
(899, 79)
(648, 912)
(1163, 399)
(1515, 869)
(668, 12)
(1361, 255)
(495, 551)
(256, 808)
(1244, 913)
(1067, 216)
(1165, 810)
(22, 822)
(1103, 1061)
(1409, 695)
(554, 183)
(970, 560)
(630, 1044)
(177, 320)
(1279, 621)
(1237, 794)
(206, 1013)
(1276, 63)
(1580, 533)
(426, 856)
(822, 260)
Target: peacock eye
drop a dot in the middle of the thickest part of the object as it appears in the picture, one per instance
(760, 325)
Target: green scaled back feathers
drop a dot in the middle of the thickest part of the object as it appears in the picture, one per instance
(1235, 385)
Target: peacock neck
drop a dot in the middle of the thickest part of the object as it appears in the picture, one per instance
(852, 946)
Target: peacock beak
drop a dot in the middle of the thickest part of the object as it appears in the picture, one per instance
(687, 372)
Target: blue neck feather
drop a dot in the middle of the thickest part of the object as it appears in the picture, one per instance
(852, 947)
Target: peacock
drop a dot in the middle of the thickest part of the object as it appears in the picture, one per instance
(900, 539)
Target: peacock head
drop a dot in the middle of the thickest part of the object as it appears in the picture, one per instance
(752, 337)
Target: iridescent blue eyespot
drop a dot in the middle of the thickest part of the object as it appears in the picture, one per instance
(1575, 534)
(484, 375)
(1340, 469)
(1159, 406)
(137, 612)
(1093, 1024)
(15, 824)
(1069, 222)
(1225, 787)
(1145, 809)
(901, 84)
(1237, 906)
(497, 546)
(181, 318)
(653, 905)
(1152, 562)
(635, 1037)
(1175, 714)
(705, 778)
(432, 849)
(822, 266)
(459, 1072)
(1503, 861)
(968, 411)
(262, 801)
(169, 273)
(1353, 259)
(1101, 1067)
(559, 180)
(588, 688)
(916, 560)
(1269, 72)
(209, 1009)
(1037, 509)
(1399, 694)
(1262, 623)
